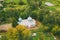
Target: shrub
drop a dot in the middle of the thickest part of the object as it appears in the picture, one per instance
(12, 34)
(18, 33)
(26, 34)
(23, 31)
(35, 14)
(20, 27)
(56, 30)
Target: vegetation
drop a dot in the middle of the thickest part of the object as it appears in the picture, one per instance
(48, 16)
(20, 33)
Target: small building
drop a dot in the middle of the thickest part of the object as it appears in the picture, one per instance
(29, 22)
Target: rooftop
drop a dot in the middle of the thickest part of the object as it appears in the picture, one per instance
(29, 22)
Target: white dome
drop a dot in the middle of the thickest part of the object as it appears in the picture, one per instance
(29, 18)
(20, 19)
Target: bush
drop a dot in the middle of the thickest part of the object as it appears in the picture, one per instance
(20, 27)
(56, 30)
(12, 34)
(23, 31)
(25, 36)
(18, 33)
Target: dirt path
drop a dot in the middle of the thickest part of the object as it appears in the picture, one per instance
(5, 26)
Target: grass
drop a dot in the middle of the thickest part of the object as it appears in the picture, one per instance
(39, 36)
